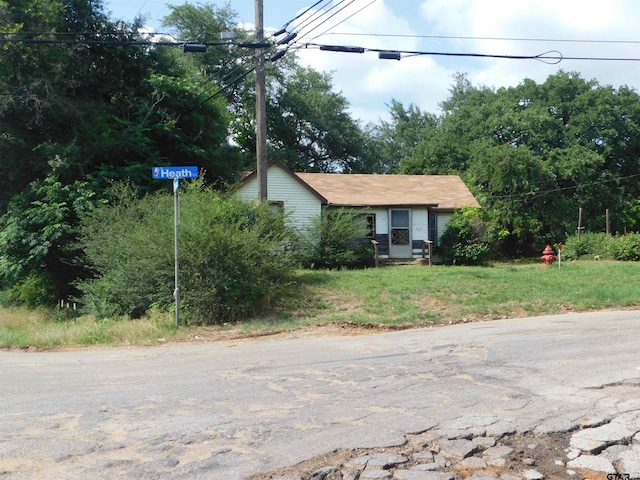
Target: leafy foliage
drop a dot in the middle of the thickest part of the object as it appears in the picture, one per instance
(128, 246)
(620, 247)
(233, 256)
(36, 235)
(236, 257)
(534, 154)
(75, 118)
(625, 247)
(310, 127)
(396, 140)
(336, 238)
(587, 244)
(470, 239)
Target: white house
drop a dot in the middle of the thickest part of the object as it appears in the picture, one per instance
(402, 211)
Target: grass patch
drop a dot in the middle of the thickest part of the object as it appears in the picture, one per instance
(398, 297)
(413, 295)
(24, 328)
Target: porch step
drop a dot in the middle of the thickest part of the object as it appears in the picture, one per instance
(404, 261)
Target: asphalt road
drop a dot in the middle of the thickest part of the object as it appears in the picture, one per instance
(225, 410)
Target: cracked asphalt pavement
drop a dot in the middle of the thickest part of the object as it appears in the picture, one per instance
(244, 408)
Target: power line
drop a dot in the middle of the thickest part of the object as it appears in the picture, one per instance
(300, 15)
(332, 15)
(547, 57)
(552, 57)
(521, 197)
(506, 39)
(344, 20)
(123, 43)
(247, 60)
(275, 57)
(317, 16)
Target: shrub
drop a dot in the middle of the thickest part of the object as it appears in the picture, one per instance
(587, 244)
(336, 239)
(470, 239)
(622, 247)
(236, 257)
(233, 255)
(129, 247)
(625, 247)
(36, 290)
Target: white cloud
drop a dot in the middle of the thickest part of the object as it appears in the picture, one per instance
(540, 19)
(410, 25)
(369, 83)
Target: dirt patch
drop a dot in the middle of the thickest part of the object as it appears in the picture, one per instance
(218, 334)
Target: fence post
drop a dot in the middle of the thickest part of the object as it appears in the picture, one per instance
(375, 252)
(429, 243)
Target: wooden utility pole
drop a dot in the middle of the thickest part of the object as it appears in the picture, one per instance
(261, 107)
(580, 227)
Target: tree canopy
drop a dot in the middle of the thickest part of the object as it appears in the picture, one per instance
(535, 154)
(80, 114)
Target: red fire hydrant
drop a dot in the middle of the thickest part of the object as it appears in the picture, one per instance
(548, 255)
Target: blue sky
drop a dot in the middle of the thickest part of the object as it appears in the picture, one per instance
(576, 28)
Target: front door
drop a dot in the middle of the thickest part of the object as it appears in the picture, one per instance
(400, 234)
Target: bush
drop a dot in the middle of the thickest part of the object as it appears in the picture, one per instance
(470, 239)
(233, 255)
(36, 290)
(590, 244)
(236, 257)
(129, 247)
(625, 247)
(336, 239)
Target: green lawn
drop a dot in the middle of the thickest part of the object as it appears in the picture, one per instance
(401, 296)
(410, 295)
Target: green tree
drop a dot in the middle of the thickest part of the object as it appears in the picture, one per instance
(77, 117)
(37, 238)
(309, 125)
(396, 140)
(534, 154)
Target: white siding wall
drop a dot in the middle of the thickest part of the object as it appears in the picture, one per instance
(443, 220)
(382, 220)
(300, 204)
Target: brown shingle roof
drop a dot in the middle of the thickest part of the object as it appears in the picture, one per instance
(445, 191)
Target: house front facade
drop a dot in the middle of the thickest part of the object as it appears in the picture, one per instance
(401, 211)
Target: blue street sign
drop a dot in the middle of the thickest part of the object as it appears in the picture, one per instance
(171, 173)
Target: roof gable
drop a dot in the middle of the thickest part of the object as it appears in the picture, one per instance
(277, 164)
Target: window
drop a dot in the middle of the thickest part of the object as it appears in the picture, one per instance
(433, 228)
(277, 206)
(370, 219)
(371, 225)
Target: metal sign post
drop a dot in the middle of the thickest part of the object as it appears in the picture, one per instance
(176, 223)
(175, 174)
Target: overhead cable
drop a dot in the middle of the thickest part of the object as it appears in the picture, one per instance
(506, 39)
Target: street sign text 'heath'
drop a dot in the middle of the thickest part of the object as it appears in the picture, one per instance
(169, 173)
